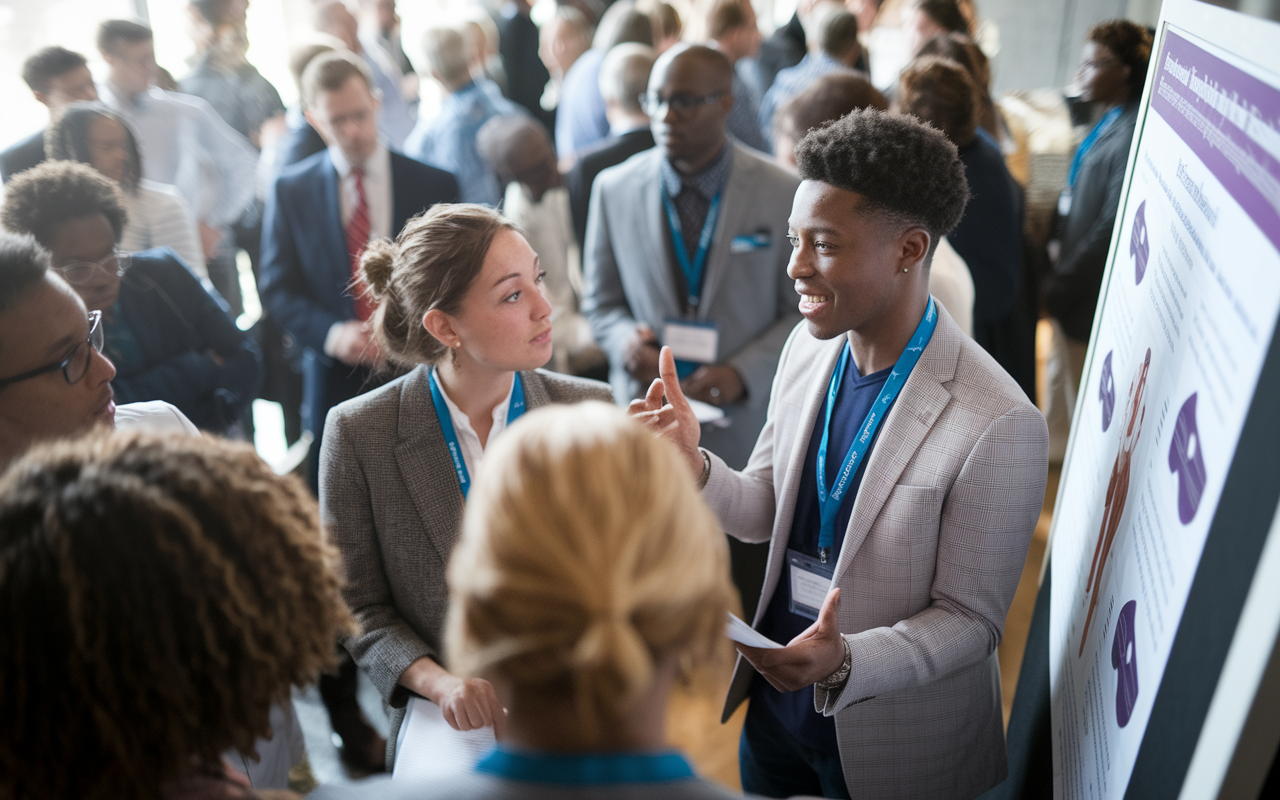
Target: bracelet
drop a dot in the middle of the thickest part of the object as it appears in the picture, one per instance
(706, 469)
(840, 677)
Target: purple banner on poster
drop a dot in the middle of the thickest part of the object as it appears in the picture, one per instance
(1230, 119)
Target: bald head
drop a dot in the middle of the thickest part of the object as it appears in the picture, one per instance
(689, 99)
(696, 58)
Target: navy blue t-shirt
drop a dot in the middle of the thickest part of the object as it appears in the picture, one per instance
(856, 397)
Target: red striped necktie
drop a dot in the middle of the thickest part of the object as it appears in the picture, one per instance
(358, 229)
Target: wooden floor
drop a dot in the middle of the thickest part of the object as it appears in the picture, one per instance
(693, 717)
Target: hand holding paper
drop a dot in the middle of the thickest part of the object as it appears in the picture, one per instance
(806, 659)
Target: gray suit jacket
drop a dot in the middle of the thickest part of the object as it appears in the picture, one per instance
(629, 263)
(390, 503)
(930, 561)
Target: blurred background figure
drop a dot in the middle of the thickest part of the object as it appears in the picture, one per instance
(732, 29)
(563, 40)
(666, 23)
(187, 145)
(925, 19)
(301, 139)
(380, 33)
(624, 77)
(169, 339)
(191, 556)
(989, 235)
(95, 135)
(590, 578)
(837, 50)
(394, 118)
(57, 77)
(520, 151)
(580, 117)
(519, 44)
(223, 76)
(448, 140)
(1112, 71)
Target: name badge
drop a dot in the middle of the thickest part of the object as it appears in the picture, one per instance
(695, 342)
(810, 582)
(754, 241)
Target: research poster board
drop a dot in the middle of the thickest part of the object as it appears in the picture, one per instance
(1188, 312)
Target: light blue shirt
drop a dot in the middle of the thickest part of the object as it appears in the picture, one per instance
(394, 119)
(185, 143)
(580, 118)
(449, 140)
(791, 82)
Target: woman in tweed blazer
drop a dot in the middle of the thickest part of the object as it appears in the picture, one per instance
(459, 297)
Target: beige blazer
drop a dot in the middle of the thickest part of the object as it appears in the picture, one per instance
(930, 561)
(390, 503)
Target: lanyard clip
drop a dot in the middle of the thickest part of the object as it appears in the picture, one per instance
(823, 553)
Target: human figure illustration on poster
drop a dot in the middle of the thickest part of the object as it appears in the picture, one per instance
(1139, 243)
(1117, 490)
(1124, 660)
(1186, 460)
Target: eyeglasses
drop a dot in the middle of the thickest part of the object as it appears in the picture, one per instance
(651, 103)
(79, 272)
(76, 364)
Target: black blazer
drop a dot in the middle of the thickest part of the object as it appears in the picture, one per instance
(594, 160)
(22, 156)
(1072, 288)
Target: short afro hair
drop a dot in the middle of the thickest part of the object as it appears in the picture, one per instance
(905, 170)
(1131, 43)
(41, 199)
(23, 264)
(41, 68)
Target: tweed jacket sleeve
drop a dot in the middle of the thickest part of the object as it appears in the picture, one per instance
(386, 644)
(987, 519)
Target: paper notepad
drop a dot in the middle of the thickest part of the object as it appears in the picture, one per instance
(429, 748)
(741, 632)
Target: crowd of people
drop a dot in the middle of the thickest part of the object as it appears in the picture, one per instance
(815, 299)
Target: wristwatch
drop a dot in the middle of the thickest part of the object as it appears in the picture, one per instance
(706, 469)
(840, 677)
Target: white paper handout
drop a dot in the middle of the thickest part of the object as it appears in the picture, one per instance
(428, 747)
(739, 631)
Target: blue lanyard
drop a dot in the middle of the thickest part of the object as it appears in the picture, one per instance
(514, 410)
(829, 502)
(1089, 141)
(692, 271)
(586, 770)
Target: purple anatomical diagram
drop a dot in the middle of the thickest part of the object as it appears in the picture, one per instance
(1107, 391)
(1124, 660)
(1117, 490)
(1139, 244)
(1186, 460)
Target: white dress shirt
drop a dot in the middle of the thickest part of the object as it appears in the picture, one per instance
(951, 284)
(468, 439)
(158, 217)
(186, 144)
(377, 196)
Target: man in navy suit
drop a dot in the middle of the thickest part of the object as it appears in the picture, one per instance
(319, 216)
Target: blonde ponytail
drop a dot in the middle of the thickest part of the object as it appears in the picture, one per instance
(586, 557)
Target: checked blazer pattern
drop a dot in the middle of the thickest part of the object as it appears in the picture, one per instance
(932, 556)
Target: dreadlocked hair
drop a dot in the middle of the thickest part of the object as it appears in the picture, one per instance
(158, 594)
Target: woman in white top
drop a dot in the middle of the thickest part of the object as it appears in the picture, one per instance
(158, 217)
(460, 302)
